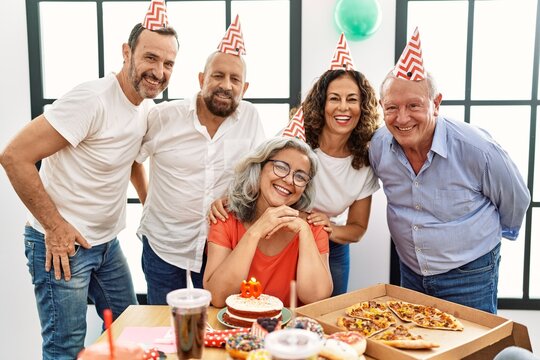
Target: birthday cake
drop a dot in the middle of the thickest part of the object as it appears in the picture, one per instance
(242, 311)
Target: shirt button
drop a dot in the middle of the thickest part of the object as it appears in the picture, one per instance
(416, 183)
(417, 207)
(415, 227)
(418, 250)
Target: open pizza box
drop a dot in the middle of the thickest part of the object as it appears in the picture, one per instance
(484, 334)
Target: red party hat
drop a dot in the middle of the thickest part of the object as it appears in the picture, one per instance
(342, 59)
(410, 65)
(233, 41)
(295, 128)
(156, 16)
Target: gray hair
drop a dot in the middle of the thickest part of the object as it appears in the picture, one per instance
(430, 81)
(244, 189)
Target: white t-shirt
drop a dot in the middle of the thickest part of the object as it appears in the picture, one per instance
(188, 171)
(88, 179)
(338, 185)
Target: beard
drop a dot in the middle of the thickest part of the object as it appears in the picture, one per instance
(219, 108)
(142, 90)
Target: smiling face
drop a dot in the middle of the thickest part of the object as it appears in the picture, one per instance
(342, 108)
(150, 63)
(223, 84)
(275, 191)
(409, 113)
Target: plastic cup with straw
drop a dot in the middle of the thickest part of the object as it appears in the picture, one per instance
(292, 302)
(108, 317)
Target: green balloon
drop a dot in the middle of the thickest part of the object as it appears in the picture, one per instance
(358, 19)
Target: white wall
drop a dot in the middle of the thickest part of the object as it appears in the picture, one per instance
(18, 315)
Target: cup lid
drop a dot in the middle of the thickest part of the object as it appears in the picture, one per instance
(292, 343)
(189, 298)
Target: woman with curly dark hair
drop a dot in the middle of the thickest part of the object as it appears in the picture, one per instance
(341, 115)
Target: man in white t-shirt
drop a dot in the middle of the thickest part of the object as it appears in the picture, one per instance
(193, 145)
(87, 141)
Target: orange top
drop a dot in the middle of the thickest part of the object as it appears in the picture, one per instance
(274, 272)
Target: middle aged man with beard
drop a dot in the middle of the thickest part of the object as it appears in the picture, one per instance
(88, 140)
(193, 145)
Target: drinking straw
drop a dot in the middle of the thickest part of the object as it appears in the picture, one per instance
(107, 315)
(292, 302)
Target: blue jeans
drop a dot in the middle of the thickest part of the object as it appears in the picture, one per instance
(162, 277)
(473, 284)
(339, 267)
(100, 273)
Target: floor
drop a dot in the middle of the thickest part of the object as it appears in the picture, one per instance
(529, 318)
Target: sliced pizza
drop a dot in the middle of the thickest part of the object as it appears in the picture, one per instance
(363, 326)
(371, 310)
(401, 337)
(404, 310)
(433, 318)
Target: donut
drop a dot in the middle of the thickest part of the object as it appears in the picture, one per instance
(260, 354)
(302, 322)
(333, 349)
(239, 345)
(353, 338)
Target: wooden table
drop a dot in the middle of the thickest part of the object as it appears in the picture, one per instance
(160, 315)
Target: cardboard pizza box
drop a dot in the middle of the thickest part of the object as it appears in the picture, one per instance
(484, 334)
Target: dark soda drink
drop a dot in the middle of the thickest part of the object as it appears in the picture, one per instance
(189, 328)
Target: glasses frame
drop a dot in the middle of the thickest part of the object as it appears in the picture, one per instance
(274, 161)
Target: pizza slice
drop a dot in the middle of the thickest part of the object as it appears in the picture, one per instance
(371, 310)
(433, 318)
(363, 326)
(404, 310)
(401, 337)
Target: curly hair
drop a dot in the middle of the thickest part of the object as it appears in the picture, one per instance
(314, 114)
(244, 188)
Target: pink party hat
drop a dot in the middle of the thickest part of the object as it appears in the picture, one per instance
(295, 128)
(156, 16)
(342, 59)
(410, 65)
(233, 41)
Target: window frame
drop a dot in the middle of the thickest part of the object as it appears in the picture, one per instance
(525, 302)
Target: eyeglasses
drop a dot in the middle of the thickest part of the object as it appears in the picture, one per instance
(282, 169)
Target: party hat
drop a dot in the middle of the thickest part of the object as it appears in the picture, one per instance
(156, 16)
(410, 65)
(233, 41)
(295, 128)
(342, 59)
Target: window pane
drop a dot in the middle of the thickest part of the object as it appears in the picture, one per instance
(534, 281)
(68, 47)
(274, 118)
(456, 112)
(132, 246)
(503, 49)
(118, 20)
(200, 26)
(265, 25)
(509, 126)
(444, 51)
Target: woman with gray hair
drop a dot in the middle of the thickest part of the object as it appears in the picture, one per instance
(265, 234)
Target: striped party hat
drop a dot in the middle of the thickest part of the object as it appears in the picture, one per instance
(233, 41)
(156, 16)
(295, 128)
(410, 65)
(342, 59)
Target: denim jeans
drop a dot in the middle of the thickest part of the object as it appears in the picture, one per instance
(100, 273)
(339, 267)
(162, 277)
(473, 284)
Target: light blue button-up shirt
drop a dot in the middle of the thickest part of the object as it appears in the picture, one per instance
(466, 196)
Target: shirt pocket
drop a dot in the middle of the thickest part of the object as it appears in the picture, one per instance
(450, 205)
(235, 150)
